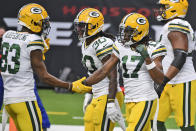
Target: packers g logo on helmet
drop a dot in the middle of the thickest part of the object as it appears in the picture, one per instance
(133, 28)
(36, 10)
(35, 18)
(88, 22)
(141, 21)
(94, 14)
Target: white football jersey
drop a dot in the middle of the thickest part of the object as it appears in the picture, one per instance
(91, 59)
(187, 72)
(16, 67)
(138, 84)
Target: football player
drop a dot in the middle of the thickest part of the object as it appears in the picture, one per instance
(96, 50)
(179, 94)
(140, 60)
(22, 53)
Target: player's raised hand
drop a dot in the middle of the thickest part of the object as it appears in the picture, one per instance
(78, 87)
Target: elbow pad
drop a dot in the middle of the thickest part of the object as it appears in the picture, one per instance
(179, 58)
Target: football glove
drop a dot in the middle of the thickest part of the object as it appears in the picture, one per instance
(87, 100)
(46, 47)
(142, 49)
(112, 112)
(159, 88)
(78, 87)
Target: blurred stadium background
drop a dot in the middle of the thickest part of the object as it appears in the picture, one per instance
(63, 60)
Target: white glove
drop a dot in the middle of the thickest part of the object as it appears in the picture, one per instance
(87, 101)
(115, 115)
(121, 122)
(112, 112)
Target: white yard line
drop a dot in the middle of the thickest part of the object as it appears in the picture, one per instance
(75, 128)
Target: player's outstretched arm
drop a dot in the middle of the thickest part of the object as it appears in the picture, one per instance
(40, 69)
(100, 74)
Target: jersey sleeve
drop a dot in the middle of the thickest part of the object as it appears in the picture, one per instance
(103, 47)
(179, 25)
(35, 43)
(116, 50)
(157, 49)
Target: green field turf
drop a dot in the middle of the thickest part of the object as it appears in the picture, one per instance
(66, 109)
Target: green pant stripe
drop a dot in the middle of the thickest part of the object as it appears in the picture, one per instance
(38, 121)
(31, 115)
(104, 119)
(186, 104)
(151, 103)
(144, 117)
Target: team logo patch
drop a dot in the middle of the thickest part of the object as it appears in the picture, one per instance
(94, 14)
(141, 21)
(36, 10)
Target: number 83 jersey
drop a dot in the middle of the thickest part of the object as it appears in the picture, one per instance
(137, 81)
(16, 67)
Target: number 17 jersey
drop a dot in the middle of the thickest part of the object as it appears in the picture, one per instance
(16, 67)
(138, 83)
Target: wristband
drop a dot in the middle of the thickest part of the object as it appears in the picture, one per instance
(110, 100)
(70, 87)
(151, 66)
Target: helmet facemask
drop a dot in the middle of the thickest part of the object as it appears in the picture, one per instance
(160, 13)
(126, 35)
(45, 27)
(82, 29)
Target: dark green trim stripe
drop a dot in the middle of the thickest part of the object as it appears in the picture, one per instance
(35, 44)
(178, 29)
(31, 116)
(189, 104)
(184, 105)
(108, 125)
(143, 118)
(37, 41)
(103, 49)
(179, 25)
(162, 46)
(104, 118)
(158, 52)
(115, 50)
(37, 117)
(105, 53)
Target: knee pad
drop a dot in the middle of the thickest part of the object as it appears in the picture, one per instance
(189, 128)
(161, 126)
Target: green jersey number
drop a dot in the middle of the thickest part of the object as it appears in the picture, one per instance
(134, 74)
(90, 59)
(14, 50)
